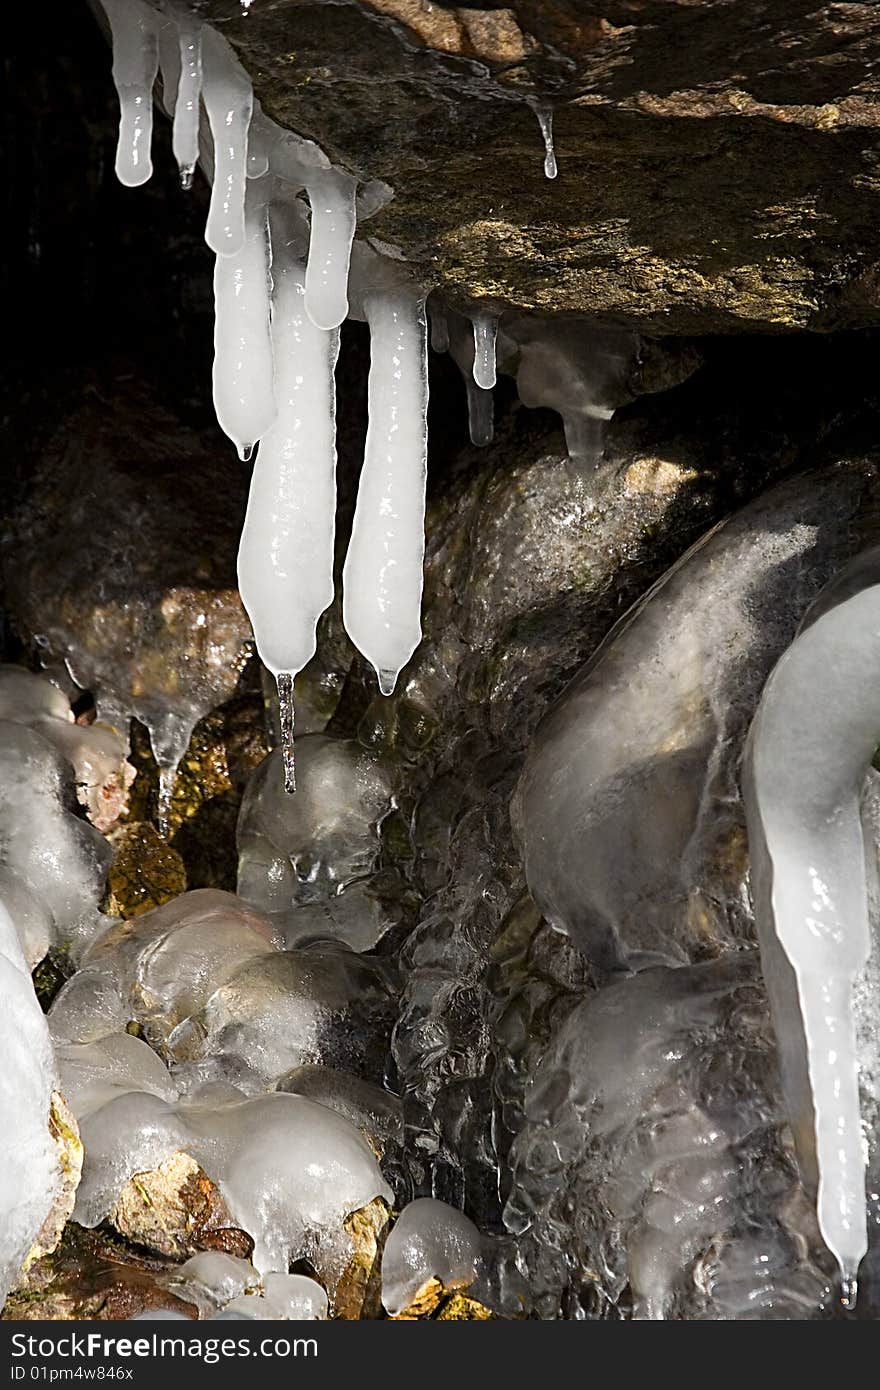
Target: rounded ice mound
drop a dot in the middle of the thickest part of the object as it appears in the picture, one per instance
(278, 1011)
(57, 859)
(378, 1113)
(430, 1240)
(212, 1279)
(161, 967)
(308, 857)
(291, 1297)
(95, 751)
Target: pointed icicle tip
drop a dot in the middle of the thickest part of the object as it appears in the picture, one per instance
(284, 682)
(387, 681)
(849, 1292)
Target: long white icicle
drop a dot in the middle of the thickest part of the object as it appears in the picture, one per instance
(382, 578)
(811, 743)
(134, 27)
(332, 197)
(285, 560)
(185, 134)
(244, 397)
(229, 102)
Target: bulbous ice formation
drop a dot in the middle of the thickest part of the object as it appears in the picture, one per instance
(429, 1240)
(30, 1175)
(811, 744)
(382, 578)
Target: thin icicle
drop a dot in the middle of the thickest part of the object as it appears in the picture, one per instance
(545, 121)
(284, 683)
(185, 136)
(439, 328)
(229, 101)
(383, 568)
(134, 27)
(481, 414)
(244, 398)
(485, 333)
(332, 197)
(285, 560)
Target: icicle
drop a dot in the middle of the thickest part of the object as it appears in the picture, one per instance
(285, 560)
(243, 373)
(810, 746)
(485, 332)
(287, 715)
(481, 422)
(332, 197)
(229, 101)
(134, 27)
(545, 121)
(185, 137)
(439, 329)
(383, 568)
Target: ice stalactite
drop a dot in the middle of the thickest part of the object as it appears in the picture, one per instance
(545, 121)
(229, 102)
(244, 397)
(285, 561)
(185, 133)
(382, 578)
(485, 333)
(134, 27)
(451, 332)
(810, 748)
(332, 197)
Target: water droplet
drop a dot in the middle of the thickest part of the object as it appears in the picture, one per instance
(387, 682)
(245, 452)
(284, 682)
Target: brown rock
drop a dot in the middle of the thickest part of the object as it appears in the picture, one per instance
(177, 1210)
(145, 872)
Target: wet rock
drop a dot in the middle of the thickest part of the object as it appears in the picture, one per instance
(358, 1293)
(145, 872)
(173, 1208)
(133, 520)
(718, 166)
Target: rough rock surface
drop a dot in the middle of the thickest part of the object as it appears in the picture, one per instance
(719, 164)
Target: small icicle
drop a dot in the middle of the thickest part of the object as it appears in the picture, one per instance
(285, 559)
(332, 197)
(481, 421)
(485, 332)
(382, 578)
(185, 136)
(849, 1292)
(134, 27)
(284, 681)
(167, 778)
(439, 329)
(229, 102)
(244, 397)
(545, 121)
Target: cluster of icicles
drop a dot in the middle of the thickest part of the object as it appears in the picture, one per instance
(283, 284)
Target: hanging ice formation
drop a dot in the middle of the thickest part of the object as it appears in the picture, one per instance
(810, 748)
(545, 121)
(281, 293)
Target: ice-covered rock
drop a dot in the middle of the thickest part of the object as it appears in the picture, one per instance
(430, 1241)
(655, 1154)
(377, 1112)
(48, 854)
(31, 1174)
(628, 809)
(323, 1004)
